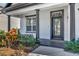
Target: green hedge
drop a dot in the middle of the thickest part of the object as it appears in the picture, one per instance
(72, 46)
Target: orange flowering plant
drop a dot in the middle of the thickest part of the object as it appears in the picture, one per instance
(11, 36)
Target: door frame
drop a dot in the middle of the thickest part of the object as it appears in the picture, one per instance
(51, 22)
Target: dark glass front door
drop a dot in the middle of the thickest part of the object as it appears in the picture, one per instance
(57, 25)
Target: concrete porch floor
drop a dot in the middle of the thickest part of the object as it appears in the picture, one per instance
(52, 51)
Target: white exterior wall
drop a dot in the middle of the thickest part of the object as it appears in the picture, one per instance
(76, 21)
(44, 24)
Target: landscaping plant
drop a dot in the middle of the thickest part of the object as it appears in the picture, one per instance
(11, 37)
(27, 40)
(72, 45)
(14, 41)
(2, 38)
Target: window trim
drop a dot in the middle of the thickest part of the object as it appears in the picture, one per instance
(32, 26)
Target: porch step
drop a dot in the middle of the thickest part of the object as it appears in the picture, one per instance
(57, 43)
(53, 42)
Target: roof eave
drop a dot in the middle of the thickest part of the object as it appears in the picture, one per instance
(20, 6)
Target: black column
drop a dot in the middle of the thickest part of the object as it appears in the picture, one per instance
(72, 21)
(37, 24)
(8, 22)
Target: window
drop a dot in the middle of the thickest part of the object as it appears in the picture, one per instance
(57, 26)
(31, 24)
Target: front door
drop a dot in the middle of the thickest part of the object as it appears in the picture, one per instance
(57, 25)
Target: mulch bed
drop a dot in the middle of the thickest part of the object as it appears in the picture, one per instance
(12, 52)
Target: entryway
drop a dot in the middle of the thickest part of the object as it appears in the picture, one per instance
(57, 25)
(57, 28)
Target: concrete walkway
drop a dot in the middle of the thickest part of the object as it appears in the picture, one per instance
(52, 51)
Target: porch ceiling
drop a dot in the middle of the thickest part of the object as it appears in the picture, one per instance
(18, 6)
(39, 6)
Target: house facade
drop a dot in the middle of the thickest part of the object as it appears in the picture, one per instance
(47, 21)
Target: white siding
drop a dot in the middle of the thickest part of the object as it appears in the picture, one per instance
(44, 24)
(76, 21)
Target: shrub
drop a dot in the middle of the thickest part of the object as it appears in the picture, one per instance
(6, 38)
(72, 45)
(27, 40)
(2, 34)
(2, 37)
(13, 38)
